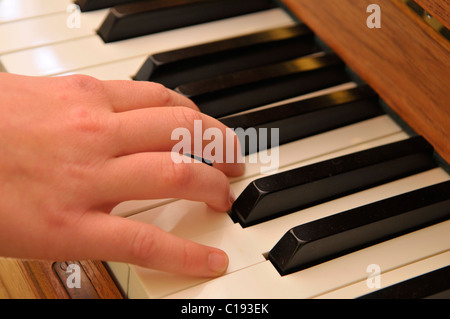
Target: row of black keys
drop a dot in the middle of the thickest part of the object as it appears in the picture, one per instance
(272, 62)
(238, 74)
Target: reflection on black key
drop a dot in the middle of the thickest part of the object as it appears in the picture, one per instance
(146, 17)
(307, 117)
(432, 285)
(89, 5)
(289, 191)
(336, 235)
(173, 68)
(231, 93)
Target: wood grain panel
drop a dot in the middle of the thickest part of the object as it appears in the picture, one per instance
(405, 60)
(15, 281)
(440, 9)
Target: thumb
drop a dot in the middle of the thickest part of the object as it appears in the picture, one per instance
(114, 238)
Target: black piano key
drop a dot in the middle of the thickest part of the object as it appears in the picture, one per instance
(146, 17)
(173, 68)
(432, 285)
(90, 5)
(239, 91)
(323, 239)
(283, 193)
(307, 117)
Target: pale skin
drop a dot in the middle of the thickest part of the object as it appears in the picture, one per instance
(74, 147)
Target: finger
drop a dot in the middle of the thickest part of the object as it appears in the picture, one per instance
(113, 238)
(157, 175)
(189, 131)
(131, 95)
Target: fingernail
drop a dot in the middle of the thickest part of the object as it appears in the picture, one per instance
(218, 262)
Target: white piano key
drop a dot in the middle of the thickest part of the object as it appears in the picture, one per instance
(392, 277)
(262, 281)
(12, 10)
(146, 283)
(91, 51)
(247, 246)
(46, 30)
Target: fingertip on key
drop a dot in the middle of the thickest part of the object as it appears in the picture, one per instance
(218, 262)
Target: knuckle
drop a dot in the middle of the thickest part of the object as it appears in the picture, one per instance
(186, 117)
(142, 244)
(84, 82)
(178, 175)
(186, 257)
(85, 120)
(163, 93)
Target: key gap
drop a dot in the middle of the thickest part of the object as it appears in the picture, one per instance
(32, 17)
(39, 46)
(99, 64)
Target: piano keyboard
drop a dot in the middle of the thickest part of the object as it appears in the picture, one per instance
(37, 41)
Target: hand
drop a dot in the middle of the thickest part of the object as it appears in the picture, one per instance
(73, 147)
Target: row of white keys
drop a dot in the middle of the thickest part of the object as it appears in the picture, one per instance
(262, 281)
(91, 51)
(15, 10)
(247, 246)
(46, 30)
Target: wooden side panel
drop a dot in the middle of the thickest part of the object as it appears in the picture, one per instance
(405, 61)
(24, 279)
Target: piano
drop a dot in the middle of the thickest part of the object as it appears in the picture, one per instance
(333, 245)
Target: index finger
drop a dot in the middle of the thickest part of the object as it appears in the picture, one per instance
(130, 95)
